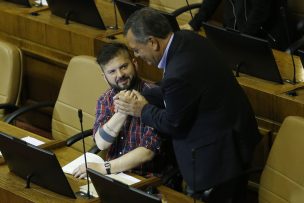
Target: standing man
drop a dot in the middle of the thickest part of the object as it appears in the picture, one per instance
(131, 144)
(206, 112)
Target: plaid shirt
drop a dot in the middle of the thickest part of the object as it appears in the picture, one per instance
(133, 133)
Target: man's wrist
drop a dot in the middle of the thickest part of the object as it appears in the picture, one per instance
(107, 166)
(121, 115)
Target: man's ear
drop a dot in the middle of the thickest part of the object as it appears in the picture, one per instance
(154, 43)
(135, 63)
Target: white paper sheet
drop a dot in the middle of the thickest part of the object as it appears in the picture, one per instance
(124, 178)
(70, 167)
(32, 141)
(43, 2)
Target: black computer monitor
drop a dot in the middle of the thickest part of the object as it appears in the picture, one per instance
(21, 2)
(81, 11)
(244, 53)
(113, 191)
(34, 165)
(126, 8)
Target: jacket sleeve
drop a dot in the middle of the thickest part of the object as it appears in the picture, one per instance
(181, 103)
(204, 14)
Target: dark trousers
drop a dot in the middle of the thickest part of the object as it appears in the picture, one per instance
(233, 191)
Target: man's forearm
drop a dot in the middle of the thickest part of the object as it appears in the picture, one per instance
(109, 131)
(131, 160)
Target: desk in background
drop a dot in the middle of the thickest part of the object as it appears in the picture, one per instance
(47, 45)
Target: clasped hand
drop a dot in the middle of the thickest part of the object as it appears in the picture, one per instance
(129, 102)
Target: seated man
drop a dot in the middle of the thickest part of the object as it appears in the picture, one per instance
(130, 143)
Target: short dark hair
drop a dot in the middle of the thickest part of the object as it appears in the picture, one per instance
(147, 22)
(109, 51)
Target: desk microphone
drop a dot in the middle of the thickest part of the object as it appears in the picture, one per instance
(189, 9)
(87, 196)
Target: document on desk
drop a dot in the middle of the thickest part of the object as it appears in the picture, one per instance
(124, 178)
(121, 177)
(70, 167)
(32, 141)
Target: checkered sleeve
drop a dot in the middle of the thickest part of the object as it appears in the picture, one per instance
(103, 113)
(150, 139)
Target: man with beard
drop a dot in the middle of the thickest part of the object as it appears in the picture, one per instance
(130, 143)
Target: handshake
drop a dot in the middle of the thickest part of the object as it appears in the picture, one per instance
(129, 102)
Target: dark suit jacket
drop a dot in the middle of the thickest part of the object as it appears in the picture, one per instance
(207, 113)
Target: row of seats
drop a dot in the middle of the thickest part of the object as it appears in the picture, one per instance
(282, 179)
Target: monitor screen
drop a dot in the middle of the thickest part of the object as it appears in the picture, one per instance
(81, 11)
(21, 2)
(250, 55)
(41, 166)
(126, 8)
(112, 191)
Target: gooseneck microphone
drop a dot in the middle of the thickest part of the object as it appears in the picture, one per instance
(88, 196)
(189, 9)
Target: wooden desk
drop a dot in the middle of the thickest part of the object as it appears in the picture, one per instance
(12, 190)
(270, 101)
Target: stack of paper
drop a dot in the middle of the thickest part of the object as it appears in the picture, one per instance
(122, 177)
(70, 167)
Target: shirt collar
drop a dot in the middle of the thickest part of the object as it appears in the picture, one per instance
(163, 62)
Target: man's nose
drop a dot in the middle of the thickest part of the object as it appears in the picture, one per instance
(119, 73)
